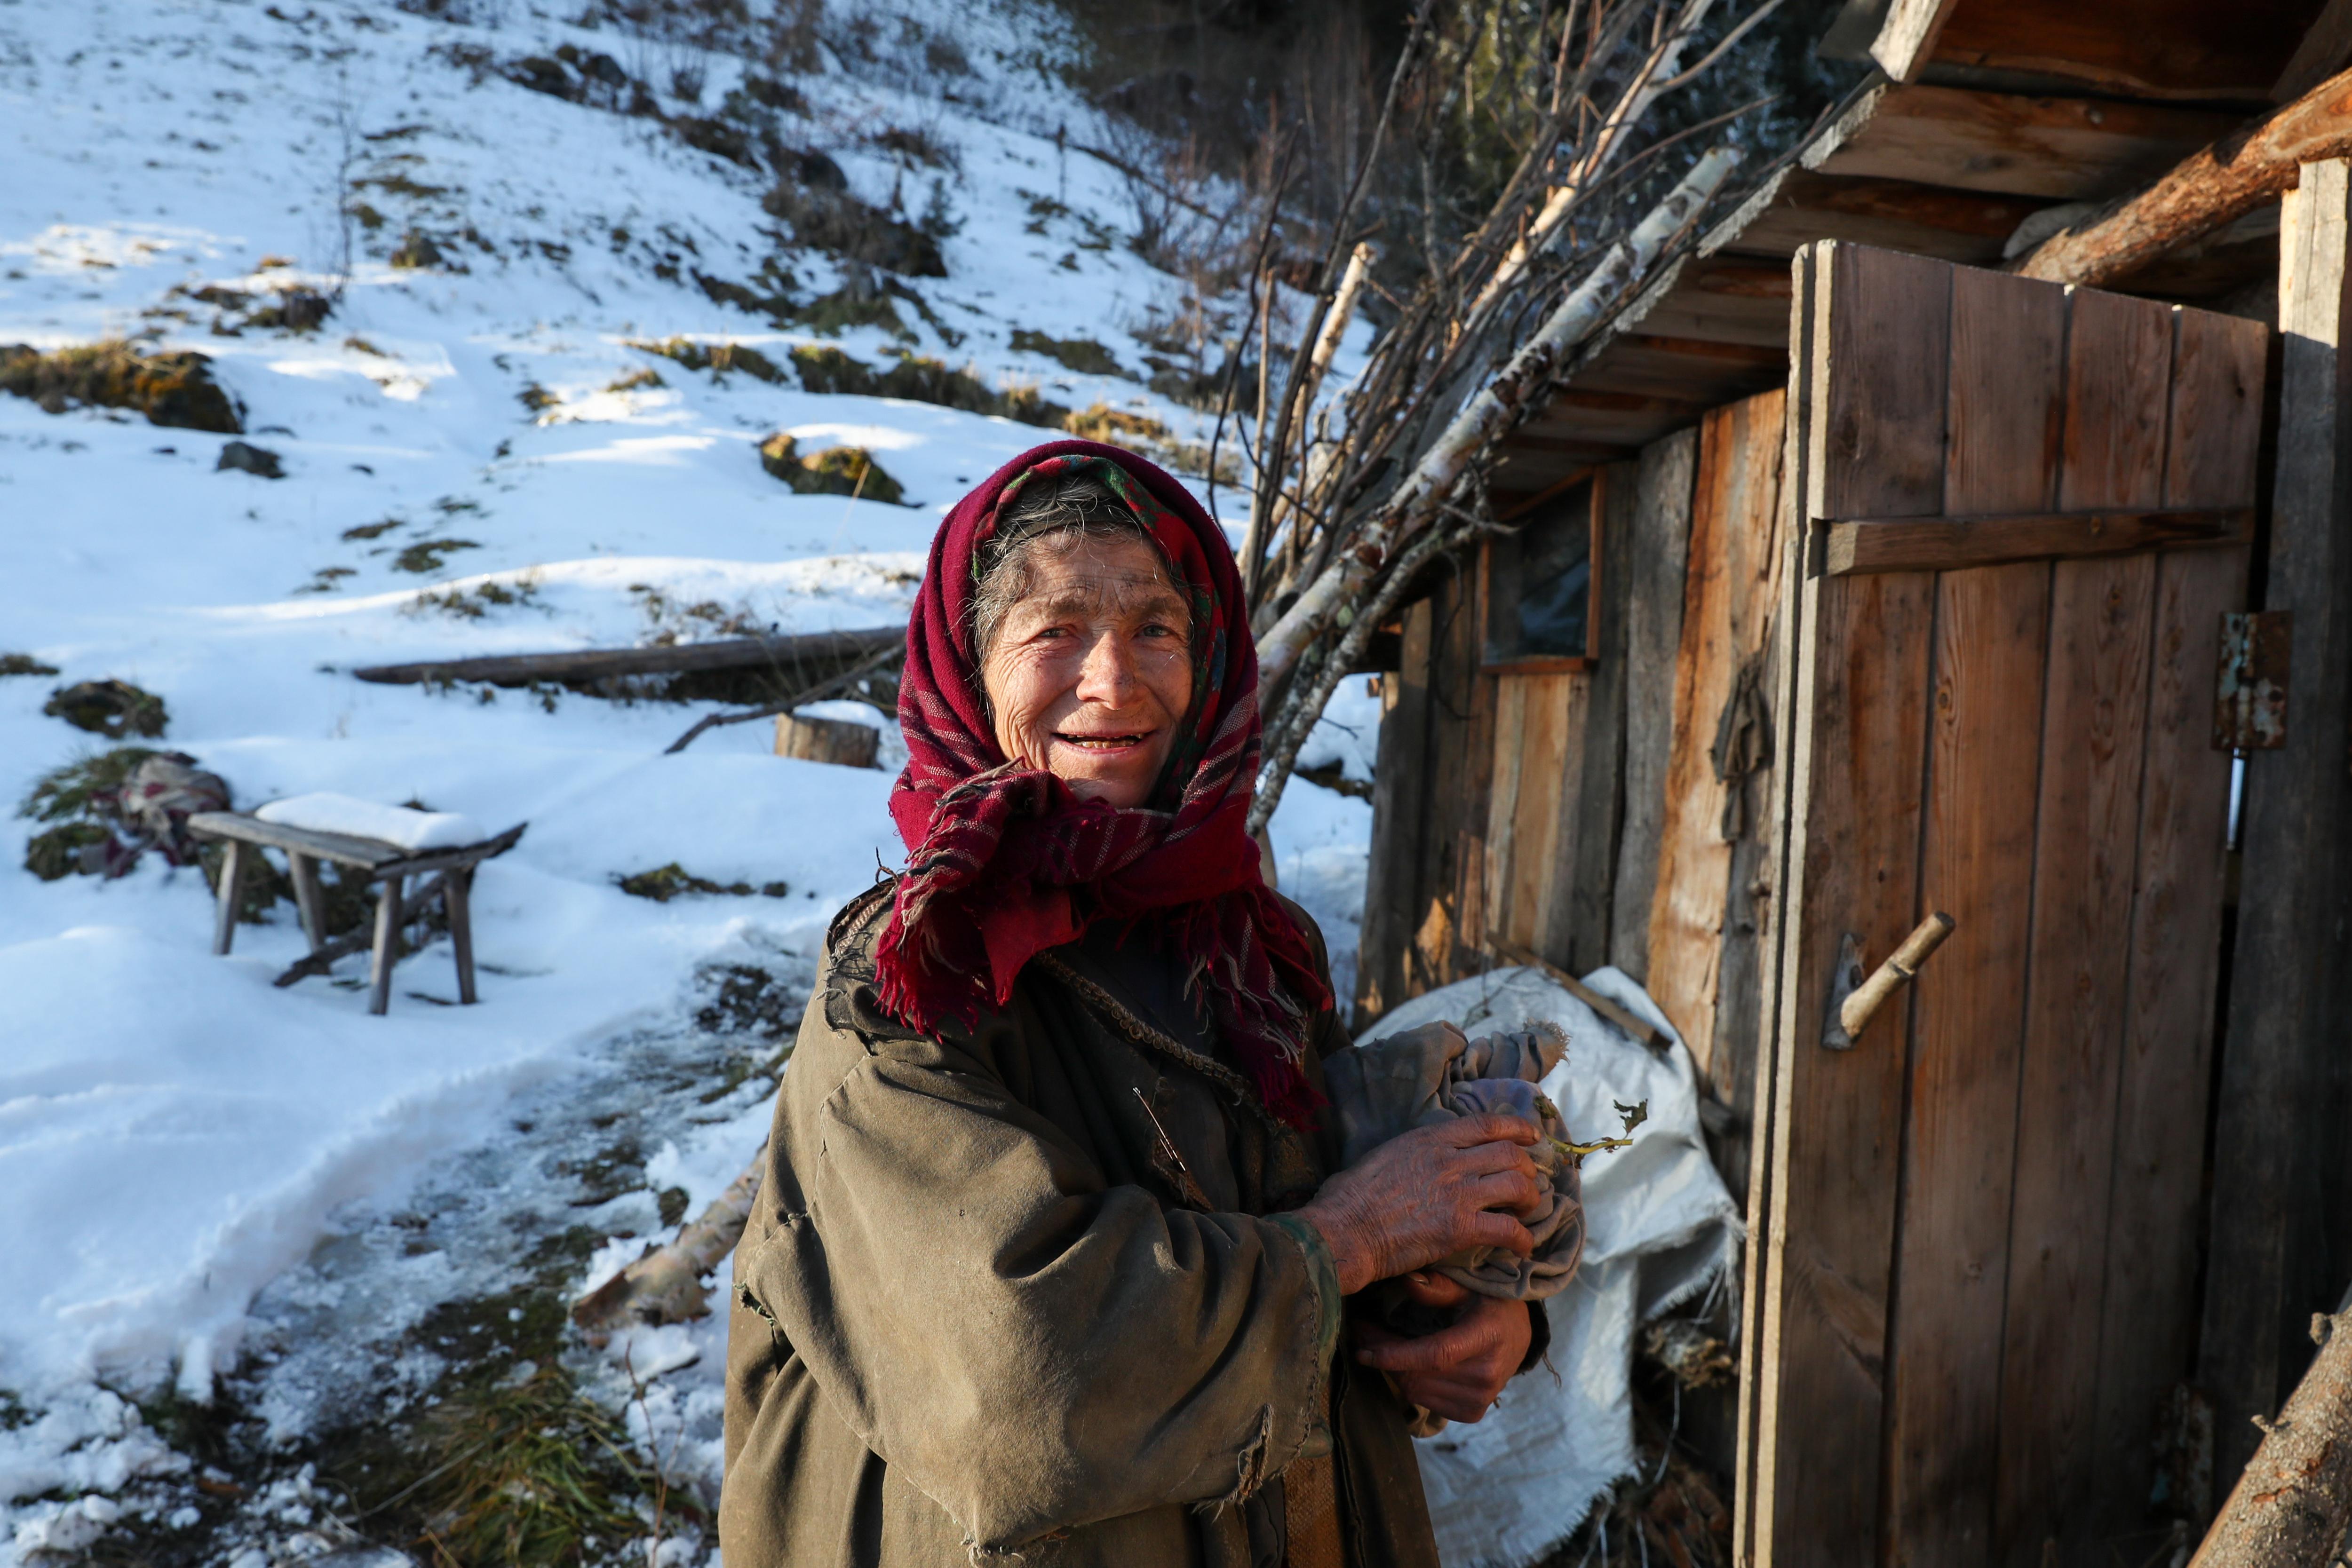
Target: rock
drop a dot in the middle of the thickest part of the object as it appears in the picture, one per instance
(250, 459)
(835, 471)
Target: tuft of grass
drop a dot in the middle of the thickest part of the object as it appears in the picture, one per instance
(1084, 356)
(915, 145)
(665, 883)
(109, 708)
(175, 390)
(474, 603)
(529, 1473)
(919, 378)
(644, 376)
(72, 790)
(23, 665)
(416, 250)
(375, 530)
(717, 358)
(429, 555)
(835, 471)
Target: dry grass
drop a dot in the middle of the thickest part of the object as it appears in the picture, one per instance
(174, 390)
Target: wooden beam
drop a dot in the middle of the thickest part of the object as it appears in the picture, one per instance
(2280, 1242)
(2184, 50)
(344, 849)
(1798, 206)
(1938, 544)
(2224, 181)
(2064, 148)
(2290, 1508)
(1907, 37)
(593, 663)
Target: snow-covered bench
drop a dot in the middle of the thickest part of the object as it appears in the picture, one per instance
(392, 845)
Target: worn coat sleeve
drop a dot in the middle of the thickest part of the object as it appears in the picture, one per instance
(1032, 1346)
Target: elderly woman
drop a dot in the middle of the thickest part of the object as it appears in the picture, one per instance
(1051, 1263)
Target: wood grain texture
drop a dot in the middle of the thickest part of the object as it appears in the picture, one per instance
(1941, 544)
(2282, 1236)
(1906, 38)
(1757, 1424)
(1539, 752)
(2215, 186)
(2149, 1305)
(2190, 49)
(1654, 564)
(1581, 900)
(2006, 432)
(1871, 442)
(1731, 598)
(1837, 1140)
(2086, 853)
(1976, 862)
(2061, 148)
(2162, 1102)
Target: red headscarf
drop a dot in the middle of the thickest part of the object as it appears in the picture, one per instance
(1003, 861)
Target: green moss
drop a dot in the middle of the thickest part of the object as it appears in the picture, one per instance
(56, 853)
(174, 390)
(112, 708)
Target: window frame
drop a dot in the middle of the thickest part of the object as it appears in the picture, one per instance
(1597, 475)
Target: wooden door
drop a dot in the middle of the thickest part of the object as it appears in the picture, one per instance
(2025, 510)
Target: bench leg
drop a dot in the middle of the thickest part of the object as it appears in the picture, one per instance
(308, 897)
(224, 915)
(457, 899)
(387, 945)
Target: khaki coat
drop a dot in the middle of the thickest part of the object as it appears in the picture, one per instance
(1026, 1292)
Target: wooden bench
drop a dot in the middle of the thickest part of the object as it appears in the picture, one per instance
(392, 868)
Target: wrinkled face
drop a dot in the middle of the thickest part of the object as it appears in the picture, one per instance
(1091, 672)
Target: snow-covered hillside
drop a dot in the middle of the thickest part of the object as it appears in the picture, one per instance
(206, 1176)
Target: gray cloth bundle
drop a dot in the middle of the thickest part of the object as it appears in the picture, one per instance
(1433, 1073)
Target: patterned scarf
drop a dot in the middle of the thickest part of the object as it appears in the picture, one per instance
(1003, 861)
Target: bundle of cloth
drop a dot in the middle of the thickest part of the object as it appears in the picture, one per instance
(1433, 1073)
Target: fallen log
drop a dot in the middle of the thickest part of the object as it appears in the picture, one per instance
(665, 1286)
(2290, 1508)
(594, 663)
(2249, 168)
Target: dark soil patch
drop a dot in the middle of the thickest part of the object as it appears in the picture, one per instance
(23, 665)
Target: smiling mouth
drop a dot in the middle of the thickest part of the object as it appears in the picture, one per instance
(1109, 745)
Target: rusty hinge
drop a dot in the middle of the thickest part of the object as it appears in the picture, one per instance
(2250, 693)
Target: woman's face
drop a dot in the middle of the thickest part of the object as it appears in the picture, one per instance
(1092, 670)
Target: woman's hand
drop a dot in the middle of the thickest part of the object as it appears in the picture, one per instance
(1426, 1194)
(1458, 1371)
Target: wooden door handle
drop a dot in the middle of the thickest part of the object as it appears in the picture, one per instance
(1854, 999)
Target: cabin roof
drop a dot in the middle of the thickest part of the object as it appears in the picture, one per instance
(1991, 121)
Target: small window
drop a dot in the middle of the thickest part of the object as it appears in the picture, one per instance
(1541, 583)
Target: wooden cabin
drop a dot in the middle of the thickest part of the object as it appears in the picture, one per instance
(1860, 578)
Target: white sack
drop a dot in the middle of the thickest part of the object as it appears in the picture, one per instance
(1661, 1229)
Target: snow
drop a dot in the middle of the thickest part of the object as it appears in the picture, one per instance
(324, 811)
(194, 1156)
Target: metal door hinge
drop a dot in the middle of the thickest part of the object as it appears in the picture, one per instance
(2249, 690)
